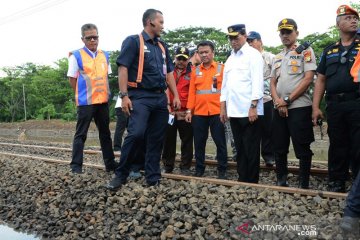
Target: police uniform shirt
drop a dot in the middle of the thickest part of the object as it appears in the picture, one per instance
(338, 78)
(153, 75)
(289, 69)
(268, 61)
(243, 82)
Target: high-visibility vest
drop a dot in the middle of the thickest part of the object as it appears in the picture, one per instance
(355, 70)
(141, 61)
(205, 89)
(92, 86)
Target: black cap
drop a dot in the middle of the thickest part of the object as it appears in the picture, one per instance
(287, 23)
(182, 52)
(236, 29)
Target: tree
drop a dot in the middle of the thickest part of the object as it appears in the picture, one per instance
(191, 36)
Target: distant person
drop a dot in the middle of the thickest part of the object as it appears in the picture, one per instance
(121, 122)
(342, 99)
(195, 59)
(145, 71)
(182, 75)
(267, 153)
(291, 75)
(204, 109)
(241, 102)
(88, 76)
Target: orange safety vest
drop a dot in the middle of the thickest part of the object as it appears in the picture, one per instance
(205, 89)
(141, 61)
(355, 70)
(92, 85)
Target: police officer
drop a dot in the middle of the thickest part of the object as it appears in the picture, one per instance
(145, 69)
(292, 73)
(267, 153)
(342, 99)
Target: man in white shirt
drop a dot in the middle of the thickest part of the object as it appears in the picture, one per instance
(241, 101)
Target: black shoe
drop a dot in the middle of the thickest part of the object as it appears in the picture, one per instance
(282, 181)
(336, 186)
(114, 184)
(199, 174)
(269, 163)
(77, 171)
(185, 172)
(154, 184)
(350, 224)
(168, 170)
(112, 167)
(222, 175)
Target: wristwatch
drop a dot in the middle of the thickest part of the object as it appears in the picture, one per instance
(123, 94)
(287, 100)
(253, 105)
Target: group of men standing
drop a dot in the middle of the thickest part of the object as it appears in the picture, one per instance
(257, 92)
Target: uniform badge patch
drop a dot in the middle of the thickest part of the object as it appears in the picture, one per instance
(307, 56)
(335, 50)
(294, 69)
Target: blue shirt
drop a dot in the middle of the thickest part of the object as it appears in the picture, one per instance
(153, 73)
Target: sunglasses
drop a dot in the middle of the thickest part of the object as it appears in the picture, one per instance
(343, 59)
(89, 38)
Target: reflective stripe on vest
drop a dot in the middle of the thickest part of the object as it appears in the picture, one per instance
(92, 86)
(218, 71)
(207, 92)
(141, 61)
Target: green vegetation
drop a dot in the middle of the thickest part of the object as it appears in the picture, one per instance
(48, 95)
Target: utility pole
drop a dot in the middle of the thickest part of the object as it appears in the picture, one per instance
(24, 100)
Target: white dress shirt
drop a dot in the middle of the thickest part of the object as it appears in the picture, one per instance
(243, 81)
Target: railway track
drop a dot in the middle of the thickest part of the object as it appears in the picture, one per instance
(232, 165)
(289, 190)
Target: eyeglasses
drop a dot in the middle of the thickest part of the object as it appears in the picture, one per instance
(343, 59)
(89, 38)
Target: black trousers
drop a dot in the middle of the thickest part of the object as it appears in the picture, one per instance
(247, 142)
(343, 120)
(146, 127)
(267, 151)
(121, 122)
(85, 114)
(169, 150)
(201, 125)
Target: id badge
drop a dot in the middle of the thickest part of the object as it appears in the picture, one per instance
(164, 69)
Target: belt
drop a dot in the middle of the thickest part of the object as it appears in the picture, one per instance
(156, 90)
(342, 97)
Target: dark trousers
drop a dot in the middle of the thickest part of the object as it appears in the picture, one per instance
(121, 122)
(100, 113)
(147, 123)
(247, 142)
(298, 126)
(201, 126)
(343, 120)
(352, 208)
(267, 152)
(169, 150)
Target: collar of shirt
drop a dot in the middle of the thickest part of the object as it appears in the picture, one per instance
(213, 65)
(148, 39)
(243, 49)
(91, 53)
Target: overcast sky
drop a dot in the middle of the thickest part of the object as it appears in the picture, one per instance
(43, 31)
